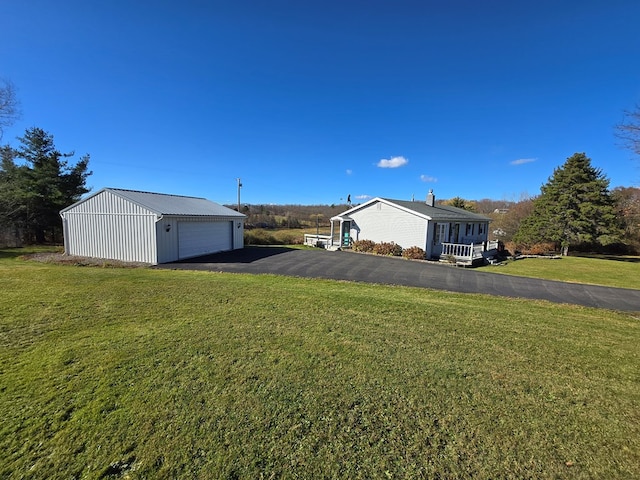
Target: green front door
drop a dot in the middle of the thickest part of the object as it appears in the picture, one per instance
(346, 234)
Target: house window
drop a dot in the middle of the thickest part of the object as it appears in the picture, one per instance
(469, 231)
(481, 228)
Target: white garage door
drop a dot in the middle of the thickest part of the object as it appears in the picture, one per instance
(200, 238)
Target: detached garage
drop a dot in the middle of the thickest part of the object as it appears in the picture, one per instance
(148, 227)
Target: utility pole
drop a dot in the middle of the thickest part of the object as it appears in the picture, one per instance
(239, 187)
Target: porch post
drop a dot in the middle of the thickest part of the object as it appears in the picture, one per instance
(331, 241)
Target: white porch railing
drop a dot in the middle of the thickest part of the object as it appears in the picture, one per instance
(462, 251)
(317, 240)
(467, 253)
(492, 245)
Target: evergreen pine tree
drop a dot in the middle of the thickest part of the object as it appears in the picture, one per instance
(41, 186)
(574, 207)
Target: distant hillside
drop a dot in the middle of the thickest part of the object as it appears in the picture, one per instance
(304, 216)
(289, 216)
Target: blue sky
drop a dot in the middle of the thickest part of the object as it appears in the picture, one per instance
(309, 102)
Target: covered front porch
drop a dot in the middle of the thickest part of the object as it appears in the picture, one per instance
(339, 238)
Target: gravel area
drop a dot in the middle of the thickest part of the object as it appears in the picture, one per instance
(62, 259)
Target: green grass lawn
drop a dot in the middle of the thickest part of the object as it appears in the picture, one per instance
(142, 373)
(597, 270)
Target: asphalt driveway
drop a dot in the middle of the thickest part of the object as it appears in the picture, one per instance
(355, 267)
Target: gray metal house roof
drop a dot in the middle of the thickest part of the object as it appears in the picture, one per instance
(440, 212)
(437, 212)
(166, 204)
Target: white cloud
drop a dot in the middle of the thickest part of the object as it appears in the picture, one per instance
(522, 161)
(428, 179)
(363, 197)
(394, 162)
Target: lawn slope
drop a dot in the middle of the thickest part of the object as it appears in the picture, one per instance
(622, 272)
(140, 373)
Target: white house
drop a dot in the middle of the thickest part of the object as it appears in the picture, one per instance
(149, 227)
(438, 229)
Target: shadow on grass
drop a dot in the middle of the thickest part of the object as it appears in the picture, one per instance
(617, 258)
(243, 255)
(13, 252)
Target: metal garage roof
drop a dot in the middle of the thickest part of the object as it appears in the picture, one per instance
(166, 204)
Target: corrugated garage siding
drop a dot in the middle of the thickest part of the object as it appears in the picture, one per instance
(106, 202)
(381, 222)
(107, 226)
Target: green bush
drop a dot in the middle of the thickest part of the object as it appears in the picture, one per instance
(366, 246)
(414, 253)
(387, 248)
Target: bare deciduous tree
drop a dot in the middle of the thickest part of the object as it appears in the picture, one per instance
(9, 105)
(629, 130)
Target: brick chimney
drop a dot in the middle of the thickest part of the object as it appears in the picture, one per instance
(431, 198)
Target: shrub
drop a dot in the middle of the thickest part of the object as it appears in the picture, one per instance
(289, 238)
(259, 236)
(450, 259)
(387, 248)
(363, 246)
(539, 248)
(414, 253)
(511, 248)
